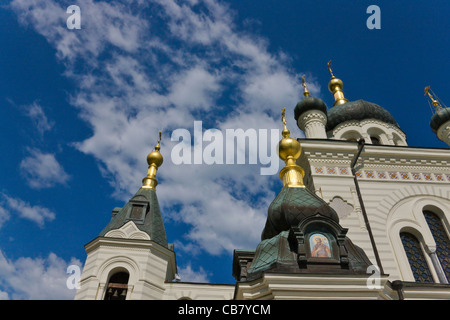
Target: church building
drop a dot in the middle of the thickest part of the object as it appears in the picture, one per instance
(361, 215)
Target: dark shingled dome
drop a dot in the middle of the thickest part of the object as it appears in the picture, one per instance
(309, 103)
(291, 206)
(358, 110)
(439, 118)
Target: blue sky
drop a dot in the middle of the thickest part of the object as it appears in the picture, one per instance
(81, 109)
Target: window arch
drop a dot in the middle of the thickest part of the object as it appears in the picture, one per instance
(375, 140)
(351, 136)
(416, 258)
(117, 286)
(376, 135)
(440, 236)
(398, 141)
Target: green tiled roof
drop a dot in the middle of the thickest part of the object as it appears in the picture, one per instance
(290, 207)
(272, 252)
(151, 221)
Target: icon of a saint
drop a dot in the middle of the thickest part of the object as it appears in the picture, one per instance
(320, 249)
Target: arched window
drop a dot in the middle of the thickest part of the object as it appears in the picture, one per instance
(375, 140)
(117, 286)
(416, 258)
(398, 141)
(442, 242)
(351, 136)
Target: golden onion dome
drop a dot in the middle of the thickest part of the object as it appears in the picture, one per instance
(154, 160)
(336, 87)
(155, 157)
(335, 83)
(289, 148)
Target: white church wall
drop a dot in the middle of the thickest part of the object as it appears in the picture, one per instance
(396, 184)
(149, 266)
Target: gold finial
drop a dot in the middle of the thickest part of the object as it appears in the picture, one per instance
(285, 131)
(335, 86)
(289, 150)
(435, 103)
(329, 69)
(157, 147)
(305, 92)
(154, 160)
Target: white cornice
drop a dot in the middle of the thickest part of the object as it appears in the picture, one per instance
(342, 152)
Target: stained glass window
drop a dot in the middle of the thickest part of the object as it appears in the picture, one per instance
(442, 242)
(416, 258)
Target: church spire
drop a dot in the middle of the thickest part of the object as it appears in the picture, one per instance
(336, 87)
(154, 160)
(289, 150)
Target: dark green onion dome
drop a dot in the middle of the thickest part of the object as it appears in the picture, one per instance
(358, 110)
(309, 103)
(291, 206)
(439, 118)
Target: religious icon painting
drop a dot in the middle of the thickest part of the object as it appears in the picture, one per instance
(320, 246)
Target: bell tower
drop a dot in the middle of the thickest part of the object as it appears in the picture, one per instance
(131, 259)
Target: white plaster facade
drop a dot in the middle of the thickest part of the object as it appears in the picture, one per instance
(397, 184)
(151, 268)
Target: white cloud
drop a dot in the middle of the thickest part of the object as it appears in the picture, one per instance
(36, 213)
(102, 24)
(187, 274)
(35, 278)
(42, 170)
(4, 216)
(4, 295)
(35, 112)
(185, 61)
(194, 89)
